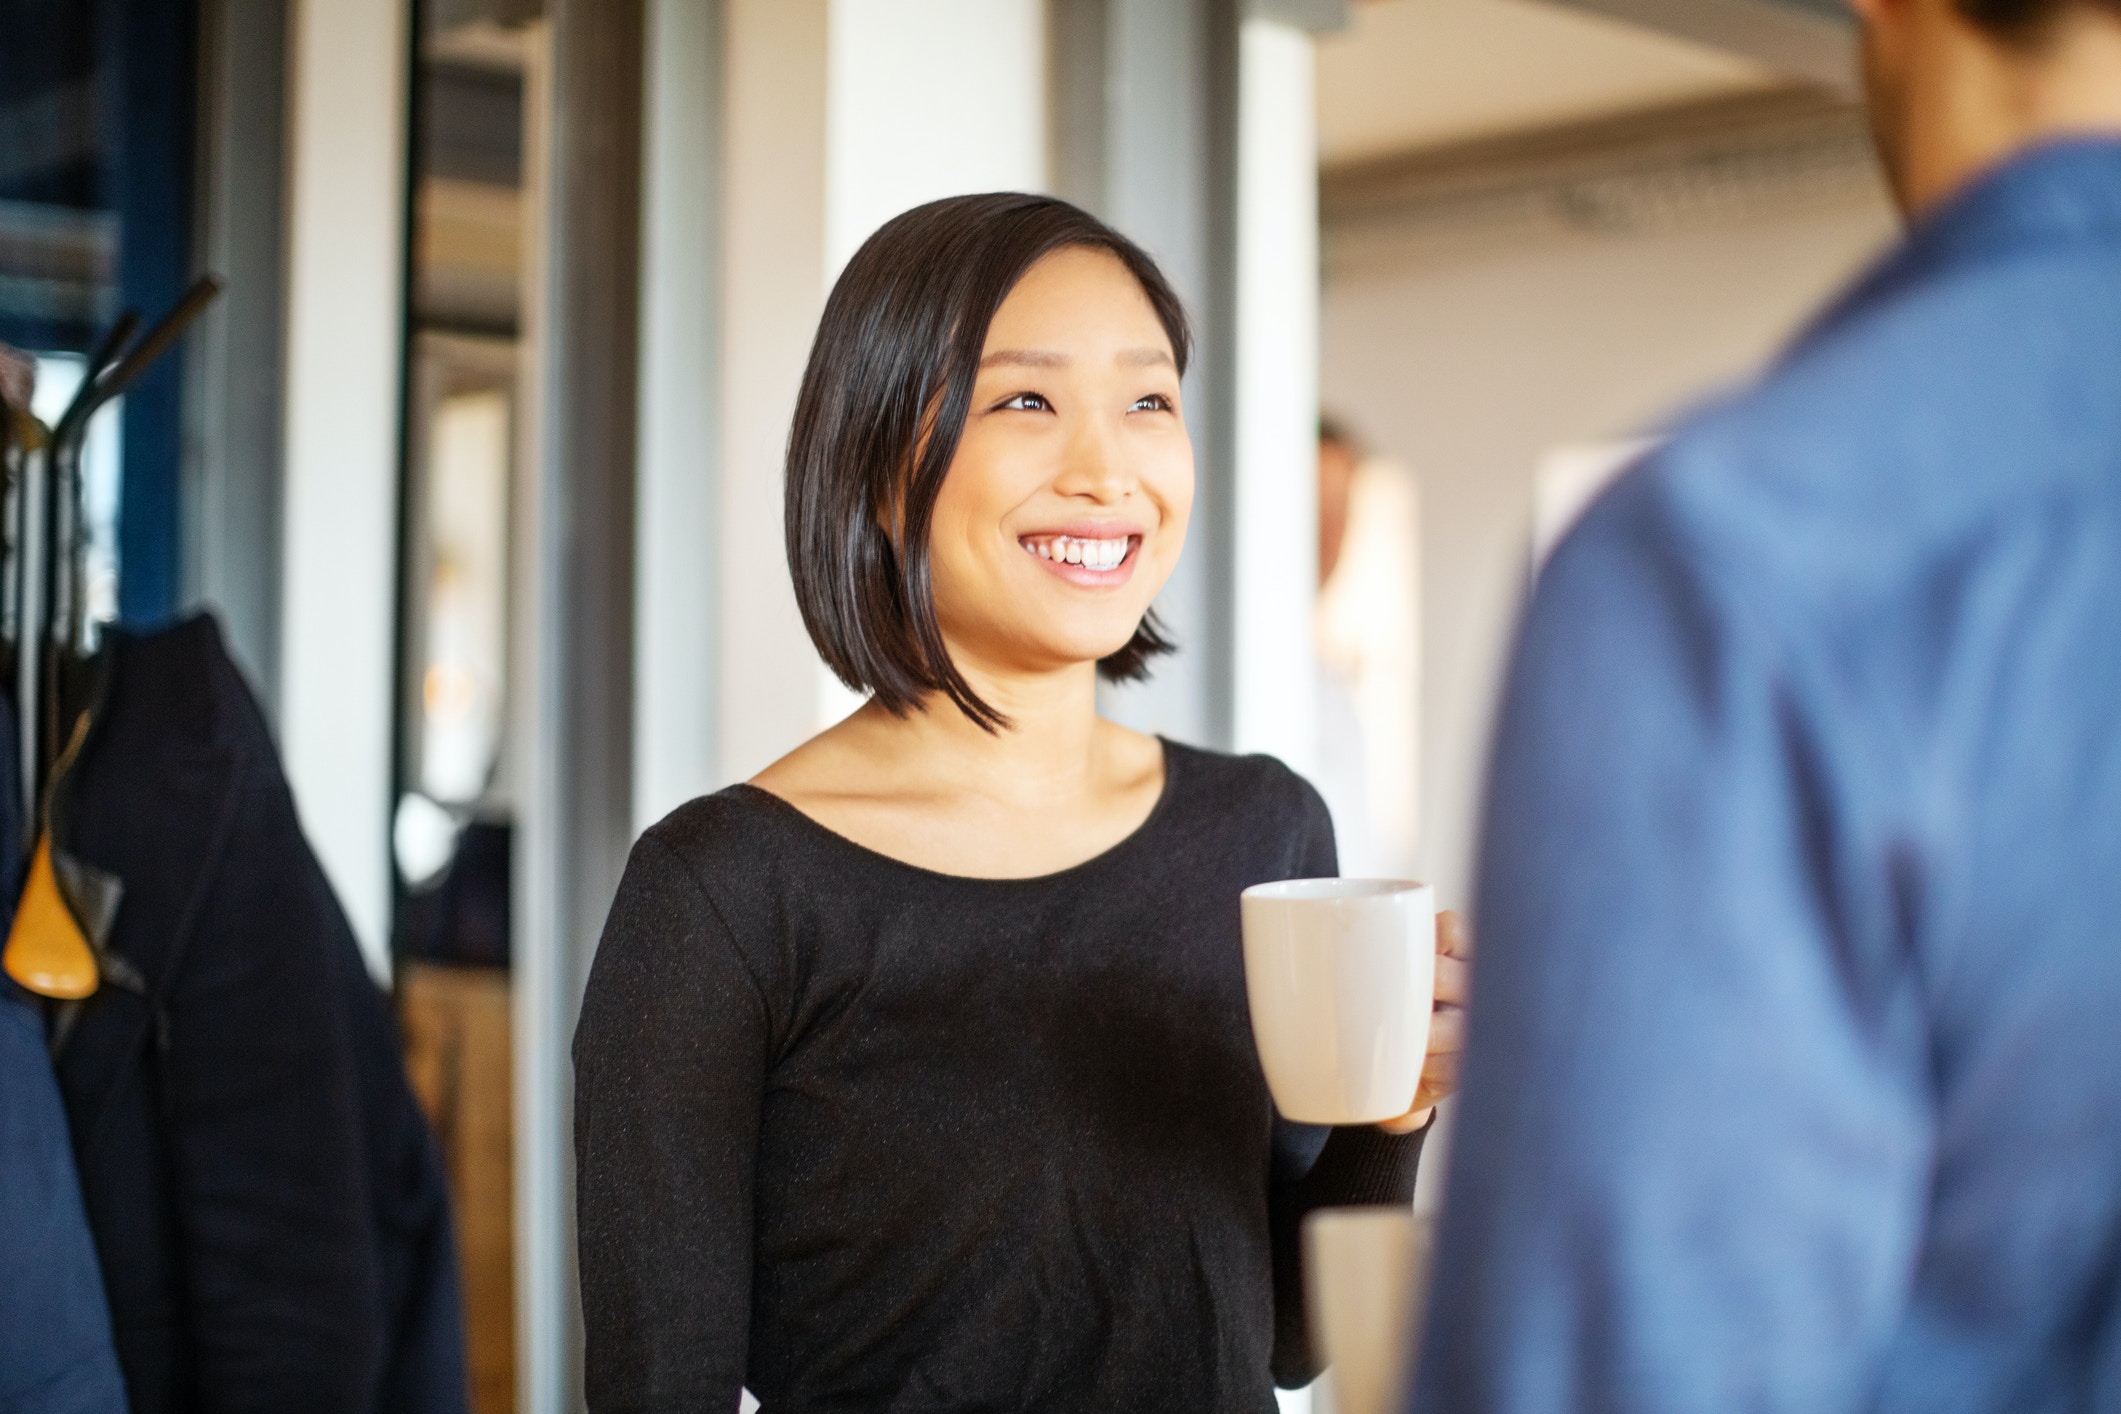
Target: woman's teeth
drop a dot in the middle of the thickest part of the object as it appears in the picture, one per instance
(1090, 554)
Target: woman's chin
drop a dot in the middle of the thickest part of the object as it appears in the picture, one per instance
(1096, 647)
(1038, 654)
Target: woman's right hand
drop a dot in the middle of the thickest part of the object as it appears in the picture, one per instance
(1447, 1024)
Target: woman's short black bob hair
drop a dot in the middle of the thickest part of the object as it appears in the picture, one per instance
(883, 403)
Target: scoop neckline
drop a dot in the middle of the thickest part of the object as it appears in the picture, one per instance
(1117, 847)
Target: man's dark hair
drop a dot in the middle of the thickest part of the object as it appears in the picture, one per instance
(883, 403)
(2022, 20)
(1340, 434)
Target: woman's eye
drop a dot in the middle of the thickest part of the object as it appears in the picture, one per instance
(1154, 402)
(1027, 402)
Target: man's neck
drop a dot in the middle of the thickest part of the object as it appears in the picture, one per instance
(1980, 101)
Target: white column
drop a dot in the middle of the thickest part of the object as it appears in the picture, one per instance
(839, 114)
(543, 989)
(773, 231)
(345, 342)
(928, 98)
(1275, 541)
(674, 736)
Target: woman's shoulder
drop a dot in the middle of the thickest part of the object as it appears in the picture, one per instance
(716, 866)
(1254, 789)
(732, 831)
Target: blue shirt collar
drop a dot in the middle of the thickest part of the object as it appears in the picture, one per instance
(2061, 193)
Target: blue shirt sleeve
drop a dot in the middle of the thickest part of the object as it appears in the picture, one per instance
(1693, 1152)
(55, 1342)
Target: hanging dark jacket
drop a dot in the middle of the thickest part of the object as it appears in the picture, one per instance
(266, 1198)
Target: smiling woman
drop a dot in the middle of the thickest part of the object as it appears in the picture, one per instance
(1011, 359)
(916, 1072)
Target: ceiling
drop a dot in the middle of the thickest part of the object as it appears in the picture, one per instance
(1409, 74)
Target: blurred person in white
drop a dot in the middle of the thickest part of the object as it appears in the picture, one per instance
(1368, 639)
(1794, 1077)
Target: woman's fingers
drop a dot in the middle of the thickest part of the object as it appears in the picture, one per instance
(1447, 1024)
(1452, 982)
(1439, 1080)
(1410, 1121)
(1447, 1032)
(1439, 1070)
(1453, 939)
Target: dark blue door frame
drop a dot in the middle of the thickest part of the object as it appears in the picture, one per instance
(157, 68)
(102, 99)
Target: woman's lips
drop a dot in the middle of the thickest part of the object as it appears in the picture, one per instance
(1090, 560)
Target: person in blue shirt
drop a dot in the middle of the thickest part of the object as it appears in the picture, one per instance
(1794, 1076)
(56, 1355)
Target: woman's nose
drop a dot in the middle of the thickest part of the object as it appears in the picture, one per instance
(1095, 467)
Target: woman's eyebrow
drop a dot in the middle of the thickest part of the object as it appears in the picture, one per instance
(1024, 358)
(1046, 358)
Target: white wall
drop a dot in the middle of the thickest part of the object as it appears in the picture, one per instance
(346, 195)
(1469, 371)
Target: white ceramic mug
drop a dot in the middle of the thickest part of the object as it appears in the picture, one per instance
(1340, 974)
(1364, 1273)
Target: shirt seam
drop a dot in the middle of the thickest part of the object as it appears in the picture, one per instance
(721, 921)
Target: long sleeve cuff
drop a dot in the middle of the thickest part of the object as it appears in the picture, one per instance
(1360, 1165)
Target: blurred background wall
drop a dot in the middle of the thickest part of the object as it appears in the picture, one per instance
(1545, 228)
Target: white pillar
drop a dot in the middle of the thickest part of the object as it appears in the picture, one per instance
(1275, 541)
(838, 115)
(542, 985)
(773, 231)
(345, 343)
(927, 99)
(675, 629)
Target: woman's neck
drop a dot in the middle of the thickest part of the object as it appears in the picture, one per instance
(1054, 787)
(1052, 747)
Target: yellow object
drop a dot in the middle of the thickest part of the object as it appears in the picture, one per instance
(47, 952)
(25, 431)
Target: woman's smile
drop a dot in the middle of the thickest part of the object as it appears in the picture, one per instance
(1095, 557)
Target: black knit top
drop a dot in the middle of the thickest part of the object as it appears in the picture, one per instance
(862, 1136)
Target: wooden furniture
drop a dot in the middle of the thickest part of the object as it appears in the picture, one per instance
(457, 1052)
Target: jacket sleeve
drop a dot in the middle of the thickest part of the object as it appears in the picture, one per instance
(670, 1066)
(1316, 1167)
(1693, 1141)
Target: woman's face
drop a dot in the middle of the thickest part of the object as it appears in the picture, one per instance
(1065, 507)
